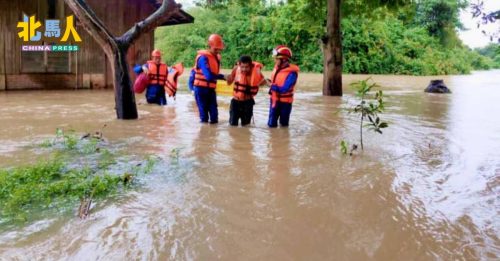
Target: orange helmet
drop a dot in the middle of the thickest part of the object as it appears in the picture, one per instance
(156, 53)
(282, 51)
(215, 41)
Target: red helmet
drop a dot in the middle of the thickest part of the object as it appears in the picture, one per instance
(156, 53)
(282, 51)
(215, 41)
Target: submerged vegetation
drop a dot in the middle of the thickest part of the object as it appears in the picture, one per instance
(80, 169)
(49, 184)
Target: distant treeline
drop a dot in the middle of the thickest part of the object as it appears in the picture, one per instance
(405, 38)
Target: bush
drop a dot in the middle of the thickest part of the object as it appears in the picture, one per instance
(379, 43)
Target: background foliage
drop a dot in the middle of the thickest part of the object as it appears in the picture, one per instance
(379, 37)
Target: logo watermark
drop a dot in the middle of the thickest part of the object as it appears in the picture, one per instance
(50, 48)
(31, 31)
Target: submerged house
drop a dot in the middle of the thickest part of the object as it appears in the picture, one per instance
(87, 68)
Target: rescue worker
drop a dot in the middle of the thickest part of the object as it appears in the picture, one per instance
(206, 73)
(157, 73)
(247, 77)
(283, 80)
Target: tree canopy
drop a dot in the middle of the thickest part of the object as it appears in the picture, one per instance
(378, 36)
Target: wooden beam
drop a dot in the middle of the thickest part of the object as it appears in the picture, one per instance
(11, 17)
(93, 25)
(3, 86)
(167, 9)
(3, 29)
(40, 81)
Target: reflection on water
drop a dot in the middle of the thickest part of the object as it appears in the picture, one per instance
(427, 189)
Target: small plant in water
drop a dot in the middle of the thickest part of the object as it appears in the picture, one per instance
(69, 138)
(106, 159)
(343, 147)
(368, 108)
(151, 161)
(91, 146)
(174, 156)
(47, 143)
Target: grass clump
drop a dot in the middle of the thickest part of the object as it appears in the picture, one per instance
(79, 170)
(50, 184)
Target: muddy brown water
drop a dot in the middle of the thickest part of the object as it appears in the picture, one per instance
(427, 189)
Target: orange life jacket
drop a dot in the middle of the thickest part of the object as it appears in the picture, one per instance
(157, 74)
(247, 86)
(213, 63)
(173, 75)
(278, 78)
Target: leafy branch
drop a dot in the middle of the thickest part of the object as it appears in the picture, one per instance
(368, 109)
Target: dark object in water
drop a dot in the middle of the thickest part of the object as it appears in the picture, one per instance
(353, 148)
(437, 86)
(127, 178)
(97, 135)
(84, 209)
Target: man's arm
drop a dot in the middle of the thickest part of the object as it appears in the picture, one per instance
(191, 80)
(230, 78)
(145, 68)
(205, 69)
(290, 81)
(263, 81)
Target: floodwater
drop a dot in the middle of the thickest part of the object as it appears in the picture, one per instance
(427, 189)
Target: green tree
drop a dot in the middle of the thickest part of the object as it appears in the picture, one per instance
(441, 17)
(313, 12)
(377, 38)
(491, 51)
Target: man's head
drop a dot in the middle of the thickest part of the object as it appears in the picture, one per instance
(245, 63)
(281, 55)
(215, 44)
(156, 56)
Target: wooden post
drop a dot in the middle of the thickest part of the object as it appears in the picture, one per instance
(332, 50)
(3, 23)
(3, 77)
(76, 65)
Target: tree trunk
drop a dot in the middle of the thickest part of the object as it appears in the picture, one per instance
(124, 94)
(332, 51)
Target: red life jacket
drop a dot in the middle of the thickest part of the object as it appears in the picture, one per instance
(278, 78)
(247, 86)
(157, 74)
(213, 63)
(173, 75)
(141, 83)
